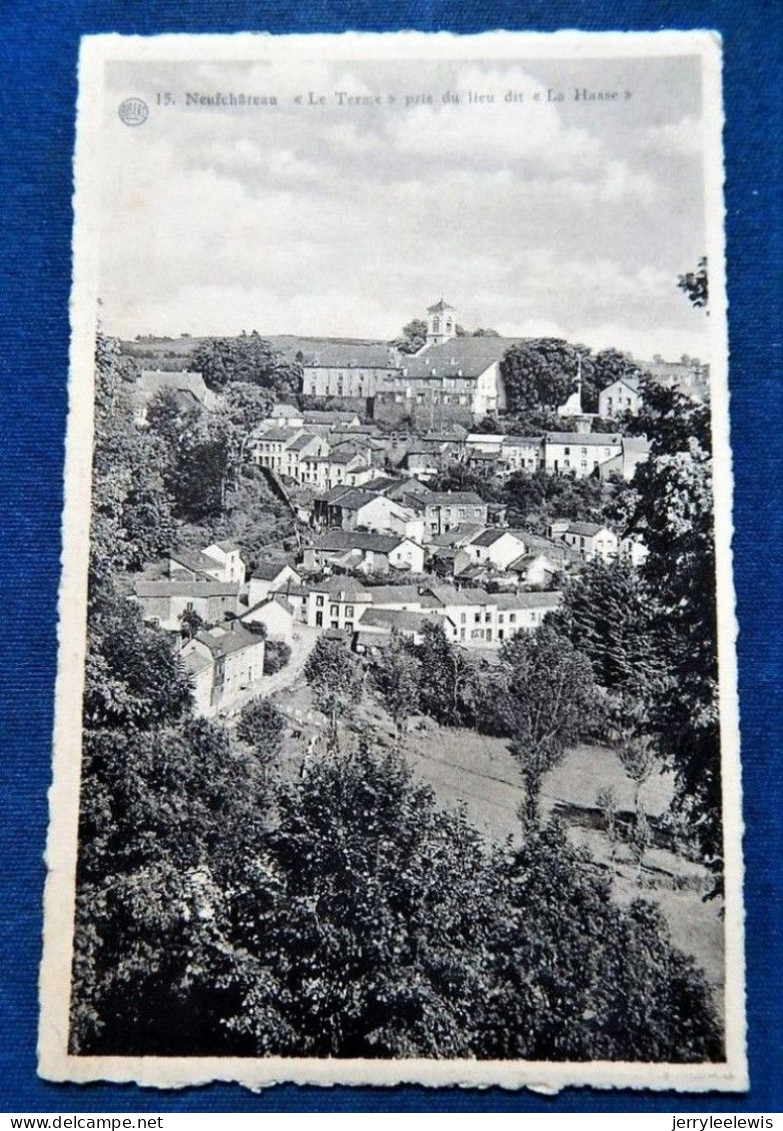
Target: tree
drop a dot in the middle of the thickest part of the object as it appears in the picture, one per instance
(414, 337)
(134, 680)
(396, 674)
(450, 690)
(545, 701)
(249, 359)
(336, 679)
(276, 655)
(575, 977)
(610, 615)
(673, 513)
(640, 761)
(192, 623)
(695, 284)
(542, 373)
(262, 725)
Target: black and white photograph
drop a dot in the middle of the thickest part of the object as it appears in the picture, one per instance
(396, 733)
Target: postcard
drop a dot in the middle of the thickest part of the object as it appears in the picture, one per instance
(396, 729)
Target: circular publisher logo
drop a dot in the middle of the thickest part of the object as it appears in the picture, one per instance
(133, 111)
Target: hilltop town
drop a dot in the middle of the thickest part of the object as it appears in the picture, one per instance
(371, 541)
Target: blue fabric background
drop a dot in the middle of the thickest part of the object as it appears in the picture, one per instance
(39, 49)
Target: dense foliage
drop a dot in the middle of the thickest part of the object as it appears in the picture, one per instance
(356, 920)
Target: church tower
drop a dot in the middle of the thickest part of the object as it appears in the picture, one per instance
(441, 323)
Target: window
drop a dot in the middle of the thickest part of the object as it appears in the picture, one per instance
(566, 451)
(477, 618)
(333, 624)
(462, 618)
(334, 610)
(512, 617)
(488, 618)
(349, 610)
(319, 600)
(500, 618)
(349, 625)
(436, 325)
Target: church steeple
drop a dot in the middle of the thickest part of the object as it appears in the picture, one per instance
(441, 323)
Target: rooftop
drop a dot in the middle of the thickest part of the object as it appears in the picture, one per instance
(176, 588)
(583, 439)
(358, 540)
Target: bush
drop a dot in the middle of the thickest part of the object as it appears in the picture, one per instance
(276, 656)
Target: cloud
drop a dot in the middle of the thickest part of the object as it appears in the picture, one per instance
(350, 220)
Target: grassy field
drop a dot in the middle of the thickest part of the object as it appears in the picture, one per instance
(465, 768)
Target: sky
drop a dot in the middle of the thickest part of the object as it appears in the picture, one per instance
(571, 218)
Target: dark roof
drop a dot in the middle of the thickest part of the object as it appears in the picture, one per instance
(227, 547)
(583, 439)
(278, 434)
(193, 560)
(175, 588)
(489, 537)
(351, 355)
(268, 571)
(358, 540)
(345, 588)
(382, 483)
(272, 599)
(527, 600)
(315, 416)
(520, 441)
(448, 595)
(440, 307)
(588, 529)
(153, 381)
(354, 499)
(301, 441)
(446, 498)
(395, 618)
(222, 642)
(466, 357)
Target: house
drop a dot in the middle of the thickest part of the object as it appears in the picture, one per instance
(367, 551)
(189, 390)
(164, 602)
(634, 451)
(286, 415)
(267, 446)
(229, 557)
(535, 570)
(337, 603)
(220, 561)
(471, 616)
(277, 613)
(522, 612)
(445, 510)
(497, 547)
(297, 453)
(226, 665)
(324, 421)
(579, 453)
(590, 539)
(523, 453)
(621, 397)
(353, 509)
(451, 380)
(377, 625)
(348, 369)
(271, 577)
